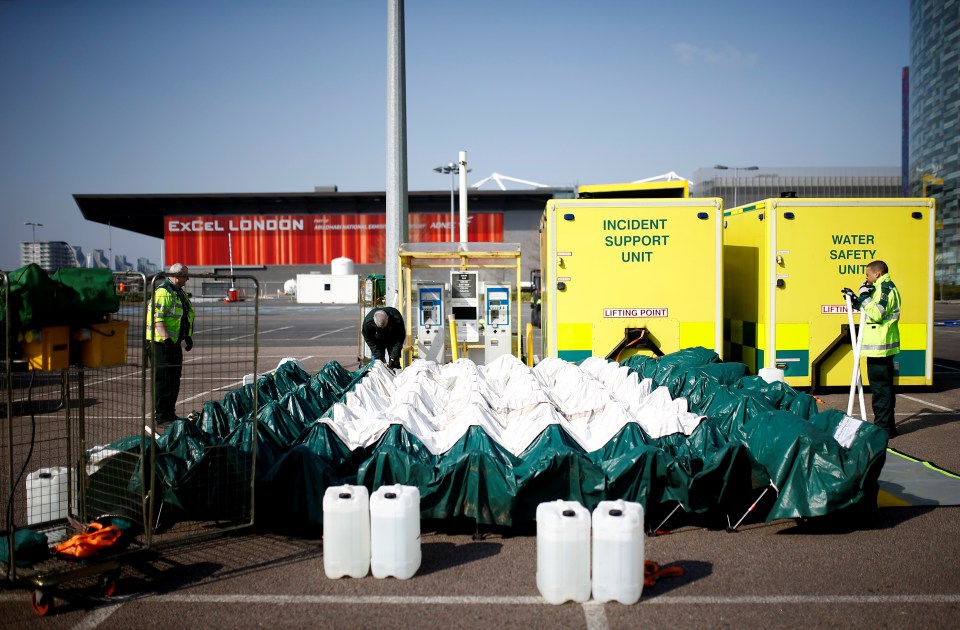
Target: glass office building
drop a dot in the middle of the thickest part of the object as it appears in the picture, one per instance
(740, 186)
(935, 121)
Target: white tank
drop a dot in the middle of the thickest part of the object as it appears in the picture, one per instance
(395, 531)
(290, 287)
(341, 266)
(346, 531)
(47, 495)
(563, 551)
(771, 375)
(618, 552)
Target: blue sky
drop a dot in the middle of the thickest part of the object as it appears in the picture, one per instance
(137, 97)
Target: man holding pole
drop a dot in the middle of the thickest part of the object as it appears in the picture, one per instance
(879, 303)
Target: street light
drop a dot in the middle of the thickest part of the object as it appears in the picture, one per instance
(34, 226)
(454, 169)
(736, 176)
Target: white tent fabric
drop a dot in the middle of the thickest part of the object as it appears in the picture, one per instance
(513, 404)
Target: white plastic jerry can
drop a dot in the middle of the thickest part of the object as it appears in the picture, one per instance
(563, 551)
(47, 495)
(395, 531)
(618, 551)
(346, 531)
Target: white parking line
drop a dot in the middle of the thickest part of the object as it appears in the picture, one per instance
(595, 616)
(98, 616)
(332, 332)
(663, 600)
(593, 611)
(208, 330)
(924, 402)
(262, 332)
(231, 386)
(805, 599)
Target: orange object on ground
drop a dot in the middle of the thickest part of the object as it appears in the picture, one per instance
(84, 545)
(652, 572)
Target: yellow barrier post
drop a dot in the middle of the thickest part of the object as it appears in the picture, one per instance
(454, 353)
(529, 344)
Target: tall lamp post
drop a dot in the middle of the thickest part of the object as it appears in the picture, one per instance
(736, 176)
(34, 226)
(454, 169)
(33, 243)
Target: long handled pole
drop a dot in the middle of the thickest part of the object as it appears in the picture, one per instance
(853, 347)
(863, 407)
(856, 341)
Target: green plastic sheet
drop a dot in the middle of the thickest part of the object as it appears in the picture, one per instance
(754, 435)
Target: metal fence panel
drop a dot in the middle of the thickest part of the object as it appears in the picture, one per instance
(80, 442)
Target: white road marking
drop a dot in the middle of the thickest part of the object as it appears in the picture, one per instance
(805, 599)
(204, 394)
(332, 332)
(595, 616)
(207, 330)
(519, 600)
(594, 612)
(924, 402)
(262, 332)
(99, 615)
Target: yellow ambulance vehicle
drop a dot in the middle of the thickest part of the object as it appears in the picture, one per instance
(785, 262)
(621, 276)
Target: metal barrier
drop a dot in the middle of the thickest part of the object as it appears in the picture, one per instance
(81, 443)
(220, 481)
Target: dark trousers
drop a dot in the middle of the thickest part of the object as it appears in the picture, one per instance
(167, 369)
(880, 372)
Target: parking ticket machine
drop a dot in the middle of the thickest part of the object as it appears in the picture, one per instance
(464, 305)
(430, 323)
(497, 332)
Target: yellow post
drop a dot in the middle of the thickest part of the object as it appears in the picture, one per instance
(928, 178)
(529, 344)
(454, 353)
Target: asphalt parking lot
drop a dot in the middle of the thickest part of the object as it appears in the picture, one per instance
(900, 570)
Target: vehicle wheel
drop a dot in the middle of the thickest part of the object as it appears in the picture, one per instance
(41, 602)
(108, 583)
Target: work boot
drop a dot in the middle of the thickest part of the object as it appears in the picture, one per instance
(162, 418)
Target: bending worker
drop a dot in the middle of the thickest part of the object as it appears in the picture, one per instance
(879, 303)
(384, 332)
(169, 324)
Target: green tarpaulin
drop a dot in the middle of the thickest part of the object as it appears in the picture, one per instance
(473, 453)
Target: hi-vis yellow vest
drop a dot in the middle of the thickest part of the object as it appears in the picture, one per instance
(175, 313)
(882, 310)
